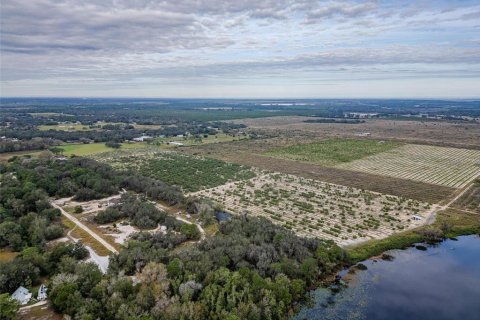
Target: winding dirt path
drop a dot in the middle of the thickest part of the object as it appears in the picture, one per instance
(203, 235)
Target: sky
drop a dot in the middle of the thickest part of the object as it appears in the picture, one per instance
(240, 48)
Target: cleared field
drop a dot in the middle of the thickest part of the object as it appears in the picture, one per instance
(191, 173)
(460, 135)
(316, 209)
(333, 151)
(450, 167)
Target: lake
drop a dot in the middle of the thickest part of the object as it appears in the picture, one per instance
(442, 282)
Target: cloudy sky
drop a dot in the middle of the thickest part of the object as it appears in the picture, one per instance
(240, 48)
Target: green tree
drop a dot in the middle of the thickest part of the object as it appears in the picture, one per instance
(190, 231)
(66, 298)
(8, 307)
(57, 150)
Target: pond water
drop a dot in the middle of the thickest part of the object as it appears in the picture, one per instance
(442, 282)
(222, 216)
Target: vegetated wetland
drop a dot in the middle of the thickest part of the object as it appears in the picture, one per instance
(140, 185)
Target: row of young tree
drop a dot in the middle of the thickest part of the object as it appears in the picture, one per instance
(250, 269)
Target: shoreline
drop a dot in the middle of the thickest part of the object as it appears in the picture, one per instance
(449, 223)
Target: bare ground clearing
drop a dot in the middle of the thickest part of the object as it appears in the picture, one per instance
(442, 133)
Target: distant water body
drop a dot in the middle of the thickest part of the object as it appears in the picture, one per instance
(440, 283)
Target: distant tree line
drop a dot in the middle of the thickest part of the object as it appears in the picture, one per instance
(14, 145)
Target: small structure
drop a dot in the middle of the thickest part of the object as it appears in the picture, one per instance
(42, 293)
(176, 143)
(142, 138)
(22, 295)
(363, 134)
(113, 202)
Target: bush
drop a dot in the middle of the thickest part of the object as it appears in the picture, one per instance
(53, 232)
(112, 144)
(8, 307)
(190, 231)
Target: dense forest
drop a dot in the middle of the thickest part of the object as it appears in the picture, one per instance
(251, 269)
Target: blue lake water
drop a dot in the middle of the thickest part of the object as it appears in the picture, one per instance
(440, 283)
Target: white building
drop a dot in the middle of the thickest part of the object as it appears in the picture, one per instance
(142, 138)
(22, 295)
(175, 143)
(42, 293)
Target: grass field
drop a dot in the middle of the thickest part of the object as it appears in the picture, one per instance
(75, 126)
(77, 149)
(316, 209)
(449, 167)
(65, 127)
(85, 238)
(333, 151)
(7, 256)
(191, 173)
(44, 312)
(48, 114)
(190, 141)
(94, 148)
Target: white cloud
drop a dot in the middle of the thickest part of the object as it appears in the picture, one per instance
(130, 44)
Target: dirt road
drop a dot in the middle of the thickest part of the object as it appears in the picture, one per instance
(84, 227)
(431, 218)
